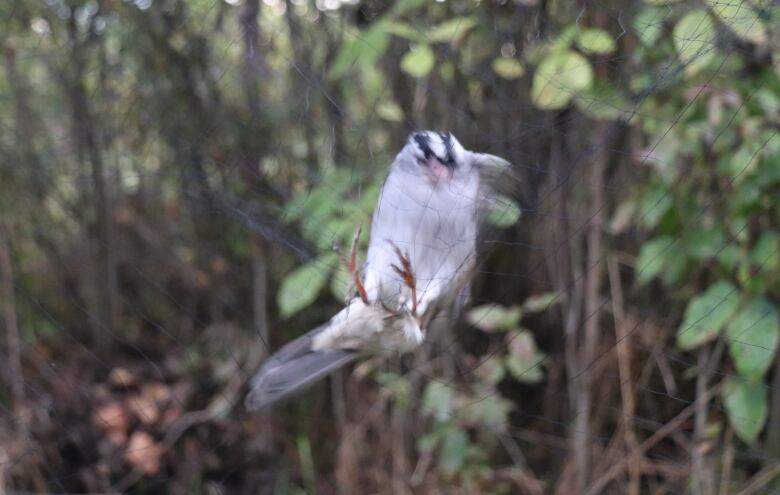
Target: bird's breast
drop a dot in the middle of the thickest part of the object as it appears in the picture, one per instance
(434, 226)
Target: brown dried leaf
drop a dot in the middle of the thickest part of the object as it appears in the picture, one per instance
(111, 416)
(113, 419)
(121, 377)
(143, 452)
(144, 407)
(156, 391)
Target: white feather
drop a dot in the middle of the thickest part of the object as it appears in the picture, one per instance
(434, 223)
(369, 327)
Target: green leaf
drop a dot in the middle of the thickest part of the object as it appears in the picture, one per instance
(390, 111)
(706, 314)
(766, 252)
(321, 202)
(559, 77)
(675, 270)
(301, 286)
(453, 451)
(348, 55)
(651, 258)
(524, 361)
(746, 406)
(404, 31)
(492, 317)
(329, 232)
(565, 38)
(649, 23)
(438, 400)
(419, 61)
(447, 71)
(429, 441)
(694, 37)
(398, 386)
(741, 18)
(451, 30)
(306, 462)
(747, 197)
(541, 302)
(729, 257)
(492, 413)
(508, 68)
(536, 52)
(364, 49)
(595, 41)
(403, 6)
(368, 199)
(702, 244)
(503, 213)
(491, 370)
(340, 282)
(524, 371)
(740, 163)
(603, 101)
(654, 204)
(753, 336)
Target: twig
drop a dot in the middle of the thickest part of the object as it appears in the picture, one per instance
(761, 479)
(8, 308)
(773, 421)
(704, 477)
(598, 486)
(523, 479)
(592, 305)
(624, 370)
(727, 462)
(21, 409)
(220, 406)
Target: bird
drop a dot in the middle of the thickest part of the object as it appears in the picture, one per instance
(421, 255)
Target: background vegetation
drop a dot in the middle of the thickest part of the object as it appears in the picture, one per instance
(174, 176)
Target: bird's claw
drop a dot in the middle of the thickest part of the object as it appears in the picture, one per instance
(406, 274)
(350, 265)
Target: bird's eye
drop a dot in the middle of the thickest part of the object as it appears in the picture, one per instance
(421, 160)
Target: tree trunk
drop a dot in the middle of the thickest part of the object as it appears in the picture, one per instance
(10, 323)
(88, 145)
(250, 168)
(306, 86)
(250, 171)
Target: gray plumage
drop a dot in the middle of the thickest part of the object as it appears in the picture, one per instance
(292, 369)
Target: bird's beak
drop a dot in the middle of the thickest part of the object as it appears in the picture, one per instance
(437, 171)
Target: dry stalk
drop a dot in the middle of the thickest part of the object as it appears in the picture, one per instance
(669, 428)
(624, 370)
(761, 479)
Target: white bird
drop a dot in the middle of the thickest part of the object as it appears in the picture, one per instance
(421, 254)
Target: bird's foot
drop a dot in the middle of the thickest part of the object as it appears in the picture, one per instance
(406, 274)
(350, 265)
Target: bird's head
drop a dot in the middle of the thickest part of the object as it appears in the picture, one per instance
(439, 157)
(436, 156)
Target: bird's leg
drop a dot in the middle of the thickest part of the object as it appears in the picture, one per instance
(351, 267)
(406, 274)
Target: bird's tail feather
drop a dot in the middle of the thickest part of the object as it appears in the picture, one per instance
(293, 368)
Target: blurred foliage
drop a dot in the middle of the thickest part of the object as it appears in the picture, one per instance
(179, 181)
(716, 212)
